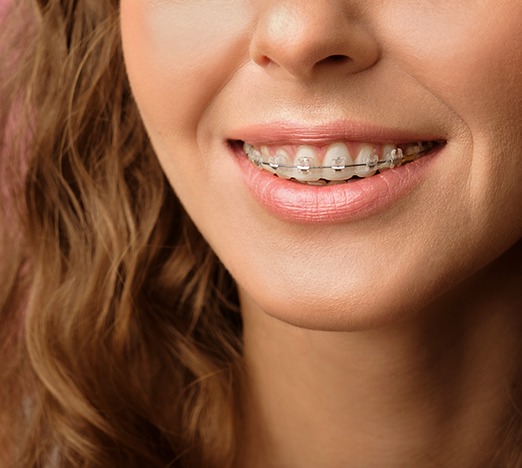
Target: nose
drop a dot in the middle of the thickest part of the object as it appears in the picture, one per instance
(302, 38)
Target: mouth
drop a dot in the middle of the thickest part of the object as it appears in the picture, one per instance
(338, 162)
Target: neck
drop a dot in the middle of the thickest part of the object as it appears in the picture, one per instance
(435, 391)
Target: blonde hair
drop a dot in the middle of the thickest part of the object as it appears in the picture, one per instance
(120, 324)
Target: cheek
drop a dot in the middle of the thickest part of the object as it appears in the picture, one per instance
(179, 54)
(467, 54)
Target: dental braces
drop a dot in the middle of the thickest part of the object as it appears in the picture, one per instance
(339, 165)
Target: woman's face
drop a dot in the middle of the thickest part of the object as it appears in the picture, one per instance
(311, 84)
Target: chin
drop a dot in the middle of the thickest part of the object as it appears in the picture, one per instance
(332, 312)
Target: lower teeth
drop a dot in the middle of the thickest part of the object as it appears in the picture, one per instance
(325, 182)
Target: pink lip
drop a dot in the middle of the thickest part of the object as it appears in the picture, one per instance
(353, 201)
(289, 132)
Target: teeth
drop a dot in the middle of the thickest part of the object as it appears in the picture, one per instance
(320, 182)
(386, 155)
(336, 163)
(307, 164)
(256, 157)
(413, 148)
(396, 158)
(280, 163)
(338, 166)
(366, 161)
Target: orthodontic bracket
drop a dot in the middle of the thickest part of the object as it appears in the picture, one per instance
(304, 166)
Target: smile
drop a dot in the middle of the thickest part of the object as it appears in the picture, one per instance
(336, 163)
(338, 172)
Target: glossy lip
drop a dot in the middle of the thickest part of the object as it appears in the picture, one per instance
(282, 132)
(349, 202)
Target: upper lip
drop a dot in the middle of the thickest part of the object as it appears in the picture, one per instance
(284, 132)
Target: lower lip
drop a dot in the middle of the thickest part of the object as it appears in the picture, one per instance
(353, 201)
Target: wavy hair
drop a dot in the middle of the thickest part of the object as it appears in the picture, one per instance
(119, 324)
(120, 337)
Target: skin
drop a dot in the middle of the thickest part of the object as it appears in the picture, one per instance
(430, 285)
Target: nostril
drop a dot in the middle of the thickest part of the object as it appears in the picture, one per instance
(335, 59)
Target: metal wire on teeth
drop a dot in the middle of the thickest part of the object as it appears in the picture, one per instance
(395, 158)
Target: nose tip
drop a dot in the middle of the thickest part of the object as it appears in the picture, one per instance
(301, 40)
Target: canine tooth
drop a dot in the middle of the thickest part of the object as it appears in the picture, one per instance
(368, 160)
(306, 162)
(336, 162)
(386, 157)
(280, 163)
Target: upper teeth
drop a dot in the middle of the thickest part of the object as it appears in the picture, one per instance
(304, 163)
